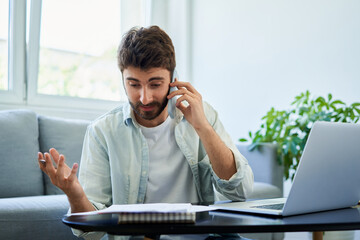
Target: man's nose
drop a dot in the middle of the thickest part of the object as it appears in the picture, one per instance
(146, 96)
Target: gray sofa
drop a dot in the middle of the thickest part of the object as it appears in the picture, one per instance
(32, 208)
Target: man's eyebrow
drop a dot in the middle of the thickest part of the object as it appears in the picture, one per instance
(132, 79)
(151, 79)
(156, 79)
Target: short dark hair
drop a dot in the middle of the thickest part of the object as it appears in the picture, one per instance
(146, 48)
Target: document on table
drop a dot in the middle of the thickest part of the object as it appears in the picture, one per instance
(153, 212)
(151, 207)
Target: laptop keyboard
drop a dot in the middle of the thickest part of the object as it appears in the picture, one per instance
(278, 206)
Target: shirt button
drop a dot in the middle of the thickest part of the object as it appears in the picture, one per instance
(144, 173)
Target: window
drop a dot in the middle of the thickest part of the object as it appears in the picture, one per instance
(78, 46)
(59, 57)
(62, 54)
(4, 23)
(72, 48)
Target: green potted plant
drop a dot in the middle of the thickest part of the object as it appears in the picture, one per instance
(289, 129)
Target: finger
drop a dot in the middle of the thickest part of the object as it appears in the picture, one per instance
(181, 92)
(73, 172)
(41, 161)
(182, 107)
(186, 85)
(40, 156)
(60, 167)
(55, 155)
(50, 170)
(188, 99)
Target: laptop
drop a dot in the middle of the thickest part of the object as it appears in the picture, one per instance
(327, 177)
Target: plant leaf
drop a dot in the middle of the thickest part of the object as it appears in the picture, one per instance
(337, 102)
(290, 128)
(329, 97)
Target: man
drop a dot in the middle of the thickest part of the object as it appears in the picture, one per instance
(137, 154)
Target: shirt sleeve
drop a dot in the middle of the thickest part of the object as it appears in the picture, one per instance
(240, 185)
(94, 175)
(94, 172)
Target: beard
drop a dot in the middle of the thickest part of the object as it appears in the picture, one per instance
(149, 115)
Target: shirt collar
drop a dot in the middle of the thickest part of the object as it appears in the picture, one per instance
(129, 117)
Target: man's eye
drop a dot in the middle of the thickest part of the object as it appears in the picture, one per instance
(155, 85)
(134, 85)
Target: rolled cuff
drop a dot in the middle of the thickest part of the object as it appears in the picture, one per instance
(240, 185)
(89, 235)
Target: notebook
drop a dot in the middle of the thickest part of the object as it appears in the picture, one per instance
(156, 217)
(327, 177)
(152, 212)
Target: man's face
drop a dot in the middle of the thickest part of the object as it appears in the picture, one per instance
(147, 91)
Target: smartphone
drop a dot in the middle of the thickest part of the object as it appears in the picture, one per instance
(172, 101)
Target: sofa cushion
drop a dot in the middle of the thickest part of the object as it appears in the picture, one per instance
(264, 190)
(261, 190)
(66, 136)
(19, 172)
(263, 162)
(34, 217)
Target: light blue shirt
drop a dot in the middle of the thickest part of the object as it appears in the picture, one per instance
(115, 160)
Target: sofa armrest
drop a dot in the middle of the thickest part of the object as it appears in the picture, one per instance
(263, 161)
(35, 217)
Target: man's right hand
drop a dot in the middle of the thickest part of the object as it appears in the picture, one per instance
(64, 177)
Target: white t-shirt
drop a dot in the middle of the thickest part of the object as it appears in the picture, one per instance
(170, 177)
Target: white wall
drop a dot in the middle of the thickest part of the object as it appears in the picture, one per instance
(251, 55)
(174, 16)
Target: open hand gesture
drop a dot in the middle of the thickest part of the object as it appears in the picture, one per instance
(60, 174)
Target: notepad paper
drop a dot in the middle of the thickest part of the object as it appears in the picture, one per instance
(156, 217)
(153, 213)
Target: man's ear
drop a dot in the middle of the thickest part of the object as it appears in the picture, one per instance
(123, 81)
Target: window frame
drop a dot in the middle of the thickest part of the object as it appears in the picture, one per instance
(23, 59)
(43, 100)
(16, 54)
